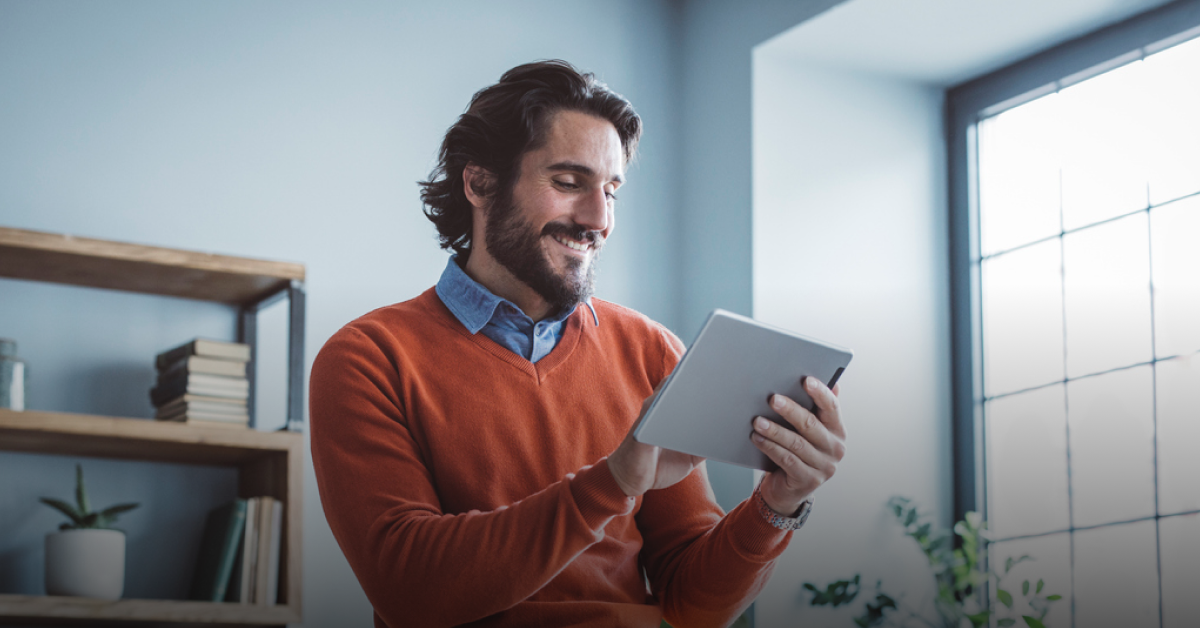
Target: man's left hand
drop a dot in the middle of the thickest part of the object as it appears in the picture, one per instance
(808, 457)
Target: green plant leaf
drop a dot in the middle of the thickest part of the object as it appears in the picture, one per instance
(63, 507)
(1005, 597)
(1033, 622)
(112, 511)
(910, 517)
(1053, 598)
(979, 619)
(1006, 622)
(1041, 583)
(81, 492)
(1008, 565)
(1025, 588)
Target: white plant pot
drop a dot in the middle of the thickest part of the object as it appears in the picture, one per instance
(86, 563)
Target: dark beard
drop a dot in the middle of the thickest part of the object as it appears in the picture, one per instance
(513, 243)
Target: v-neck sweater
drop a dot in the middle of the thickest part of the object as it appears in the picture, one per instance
(469, 486)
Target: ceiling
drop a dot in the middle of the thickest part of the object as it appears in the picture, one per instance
(944, 42)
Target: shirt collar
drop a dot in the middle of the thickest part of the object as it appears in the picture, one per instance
(474, 305)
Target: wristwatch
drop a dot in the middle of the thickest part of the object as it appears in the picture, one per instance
(794, 522)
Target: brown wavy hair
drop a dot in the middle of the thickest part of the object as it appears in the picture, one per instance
(502, 123)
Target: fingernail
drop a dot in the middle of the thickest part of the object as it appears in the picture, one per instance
(812, 383)
(756, 437)
(777, 402)
(761, 423)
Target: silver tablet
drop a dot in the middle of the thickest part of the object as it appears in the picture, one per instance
(725, 379)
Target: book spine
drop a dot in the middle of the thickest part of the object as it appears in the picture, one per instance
(164, 359)
(229, 549)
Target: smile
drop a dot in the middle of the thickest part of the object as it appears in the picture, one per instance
(571, 244)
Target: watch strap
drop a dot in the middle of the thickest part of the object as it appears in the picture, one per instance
(778, 521)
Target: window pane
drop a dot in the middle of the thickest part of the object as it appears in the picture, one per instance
(1107, 296)
(1178, 384)
(1112, 446)
(1027, 463)
(1103, 133)
(1022, 318)
(1175, 230)
(1173, 98)
(1116, 576)
(1051, 563)
(1180, 539)
(1018, 175)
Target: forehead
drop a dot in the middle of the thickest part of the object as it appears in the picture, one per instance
(575, 137)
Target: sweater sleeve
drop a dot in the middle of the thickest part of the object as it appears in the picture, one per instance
(418, 565)
(704, 567)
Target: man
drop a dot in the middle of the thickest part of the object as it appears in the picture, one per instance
(471, 444)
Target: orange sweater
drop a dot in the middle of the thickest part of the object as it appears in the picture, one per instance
(468, 485)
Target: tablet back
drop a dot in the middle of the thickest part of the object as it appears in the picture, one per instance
(725, 379)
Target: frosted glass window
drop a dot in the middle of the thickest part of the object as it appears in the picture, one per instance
(1116, 576)
(1088, 326)
(1106, 289)
(1111, 417)
(1023, 318)
(1175, 232)
(1173, 133)
(1180, 541)
(1051, 563)
(1018, 176)
(1027, 485)
(1178, 388)
(1103, 140)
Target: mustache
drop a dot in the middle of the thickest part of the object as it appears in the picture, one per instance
(574, 232)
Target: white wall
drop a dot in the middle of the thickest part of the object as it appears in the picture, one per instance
(850, 246)
(280, 130)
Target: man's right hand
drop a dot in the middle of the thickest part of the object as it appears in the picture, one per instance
(638, 467)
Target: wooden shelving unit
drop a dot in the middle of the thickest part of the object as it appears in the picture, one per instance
(56, 258)
(268, 463)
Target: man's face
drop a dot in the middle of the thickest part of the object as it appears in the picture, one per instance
(548, 235)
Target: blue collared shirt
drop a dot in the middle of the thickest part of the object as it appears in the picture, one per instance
(500, 319)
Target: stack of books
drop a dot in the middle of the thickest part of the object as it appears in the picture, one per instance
(203, 382)
(239, 553)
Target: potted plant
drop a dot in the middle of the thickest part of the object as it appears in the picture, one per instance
(86, 557)
(962, 580)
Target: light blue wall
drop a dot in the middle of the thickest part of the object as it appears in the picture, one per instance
(279, 130)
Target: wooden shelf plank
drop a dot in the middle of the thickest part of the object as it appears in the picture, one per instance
(140, 439)
(30, 608)
(38, 256)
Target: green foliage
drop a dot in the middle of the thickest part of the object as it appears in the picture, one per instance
(836, 593)
(81, 515)
(959, 574)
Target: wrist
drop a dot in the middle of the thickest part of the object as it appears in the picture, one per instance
(783, 518)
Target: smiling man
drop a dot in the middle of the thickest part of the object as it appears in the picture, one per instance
(471, 445)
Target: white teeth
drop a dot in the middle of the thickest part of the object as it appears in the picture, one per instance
(572, 244)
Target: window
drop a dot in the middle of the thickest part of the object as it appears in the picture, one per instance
(1077, 323)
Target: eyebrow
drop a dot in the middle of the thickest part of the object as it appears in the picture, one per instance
(570, 166)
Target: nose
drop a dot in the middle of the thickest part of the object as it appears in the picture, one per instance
(592, 212)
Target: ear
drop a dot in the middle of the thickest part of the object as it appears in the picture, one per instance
(478, 185)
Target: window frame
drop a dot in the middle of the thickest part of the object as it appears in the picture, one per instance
(1065, 64)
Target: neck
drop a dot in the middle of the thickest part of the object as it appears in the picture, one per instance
(497, 279)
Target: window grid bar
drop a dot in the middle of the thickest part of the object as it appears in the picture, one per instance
(1064, 232)
(1068, 380)
(1066, 400)
(1154, 406)
(1035, 535)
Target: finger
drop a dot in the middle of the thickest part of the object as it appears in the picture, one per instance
(828, 408)
(800, 476)
(796, 445)
(806, 423)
